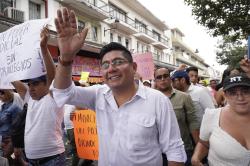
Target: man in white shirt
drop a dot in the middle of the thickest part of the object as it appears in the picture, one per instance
(201, 98)
(135, 123)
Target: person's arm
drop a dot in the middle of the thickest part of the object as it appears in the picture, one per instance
(48, 61)
(69, 42)
(201, 150)
(192, 118)
(20, 88)
(169, 133)
(245, 66)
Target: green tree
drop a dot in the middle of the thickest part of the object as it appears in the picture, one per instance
(230, 53)
(223, 17)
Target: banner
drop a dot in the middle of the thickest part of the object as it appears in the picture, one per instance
(20, 53)
(145, 65)
(85, 132)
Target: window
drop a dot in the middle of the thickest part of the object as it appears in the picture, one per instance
(34, 11)
(6, 3)
(119, 39)
(81, 25)
(127, 43)
(94, 33)
(156, 35)
(117, 13)
(111, 37)
(140, 26)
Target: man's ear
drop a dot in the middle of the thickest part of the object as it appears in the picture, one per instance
(134, 67)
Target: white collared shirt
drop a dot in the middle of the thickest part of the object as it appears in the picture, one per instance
(136, 133)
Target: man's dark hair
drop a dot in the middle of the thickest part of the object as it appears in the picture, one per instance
(192, 68)
(161, 68)
(114, 46)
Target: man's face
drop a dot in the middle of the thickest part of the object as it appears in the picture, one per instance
(117, 72)
(37, 89)
(178, 83)
(239, 99)
(193, 75)
(162, 80)
(213, 84)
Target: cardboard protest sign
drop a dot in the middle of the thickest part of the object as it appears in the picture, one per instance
(20, 53)
(145, 65)
(6, 85)
(86, 134)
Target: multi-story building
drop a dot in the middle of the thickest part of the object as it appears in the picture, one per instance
(127, 22)
(183, 54)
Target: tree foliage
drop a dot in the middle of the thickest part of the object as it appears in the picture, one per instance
(223, 17)
(230, 53)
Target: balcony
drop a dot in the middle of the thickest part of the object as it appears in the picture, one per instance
(179, 57)
(160, 63)
(14, 14)
(124, 24)
(96, 9)
(9, 18)
(161, 43)
(145, 35)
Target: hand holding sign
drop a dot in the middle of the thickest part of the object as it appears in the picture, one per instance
(69, 41)
(44, 37)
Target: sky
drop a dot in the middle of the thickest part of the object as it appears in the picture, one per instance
(176, 14)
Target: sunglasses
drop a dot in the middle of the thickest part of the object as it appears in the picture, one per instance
(2, 92)
(160, 77)
(115, 63)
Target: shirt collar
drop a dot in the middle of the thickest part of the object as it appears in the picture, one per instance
(172, 93)
(141, 91)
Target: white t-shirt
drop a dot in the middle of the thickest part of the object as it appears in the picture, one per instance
(43, 128)
(68, 124)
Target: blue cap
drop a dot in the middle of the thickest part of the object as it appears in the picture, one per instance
(179, 74)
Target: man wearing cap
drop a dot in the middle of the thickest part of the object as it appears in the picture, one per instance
(200, 97)
(224, 134)
(43, 132)
(184, 110)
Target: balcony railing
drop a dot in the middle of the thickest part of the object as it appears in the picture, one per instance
(98, 3)
(145, 30)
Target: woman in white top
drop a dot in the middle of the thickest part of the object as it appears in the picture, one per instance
(225, 132)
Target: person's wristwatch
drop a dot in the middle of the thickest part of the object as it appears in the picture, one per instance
(64, 63)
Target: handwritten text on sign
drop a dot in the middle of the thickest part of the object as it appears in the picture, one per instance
(20, 53)
(145, 65)
(86, 134)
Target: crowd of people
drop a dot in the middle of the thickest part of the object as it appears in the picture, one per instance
(170, 120)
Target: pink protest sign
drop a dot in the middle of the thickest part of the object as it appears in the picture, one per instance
(145, 65)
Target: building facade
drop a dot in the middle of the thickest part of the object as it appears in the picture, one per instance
(126, 22)
(183, 54)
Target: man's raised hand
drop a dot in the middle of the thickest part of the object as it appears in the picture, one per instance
(69, 40)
